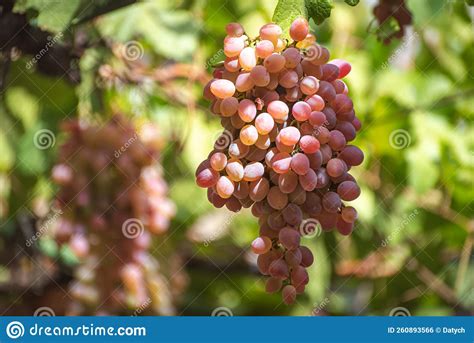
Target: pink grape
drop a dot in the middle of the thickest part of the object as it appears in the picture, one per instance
(264, 48)
(309, 144)
(224, 187)
(222, 88)
(247, 58)
(278, 109)
(309, 85)
(301, 111)
(274, 63)
(299, 29)
(247, 110)
(289, 135)
(299, 163)
(234, 29)
(344, 67)
(264, 123)
(261, 245)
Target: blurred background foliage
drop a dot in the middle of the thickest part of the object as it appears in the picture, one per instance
(413, 244)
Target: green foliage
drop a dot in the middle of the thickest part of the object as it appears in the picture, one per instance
(287, 10)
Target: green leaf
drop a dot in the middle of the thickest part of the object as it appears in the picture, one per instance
(288, 10)
(351, 2)
(52, 16)
(470, 2)
(319, 10)
(169, 32)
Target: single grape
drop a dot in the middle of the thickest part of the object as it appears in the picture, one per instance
(337, 141)
(299, 29)
(247, 110)
(309, 85)
(264, 123)
(289, 238)
(228, 106)
(276, 198)
(343, 66)
(273, 285)
(299, 163)
(288, 182)
(289, 135)
(248, 58)
(278, 109)
(292, 57)
(235, 170)
(258, 189)
(261, 245)
(336, 167)
(292, 214)
(207, 178)
(348, 190)
(222, 88)
(264, 48)
(309, 180)
(309, 144)
(248, 135)
(260, 76)
(233, 46)
(234, 30)
(352, 155)
(218, 161)
(244, 82)
(253, 171)
(349, 214)
(281, 162)
(289, 294)
(224, 187)
(270, 32)
(331, 202)
(274, 63)
(307, 257)
(301, 111)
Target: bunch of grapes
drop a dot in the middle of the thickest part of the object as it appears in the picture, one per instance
(284, 152)
(113, 199)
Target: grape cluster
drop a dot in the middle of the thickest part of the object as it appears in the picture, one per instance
(284, 152)
(113, 198)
